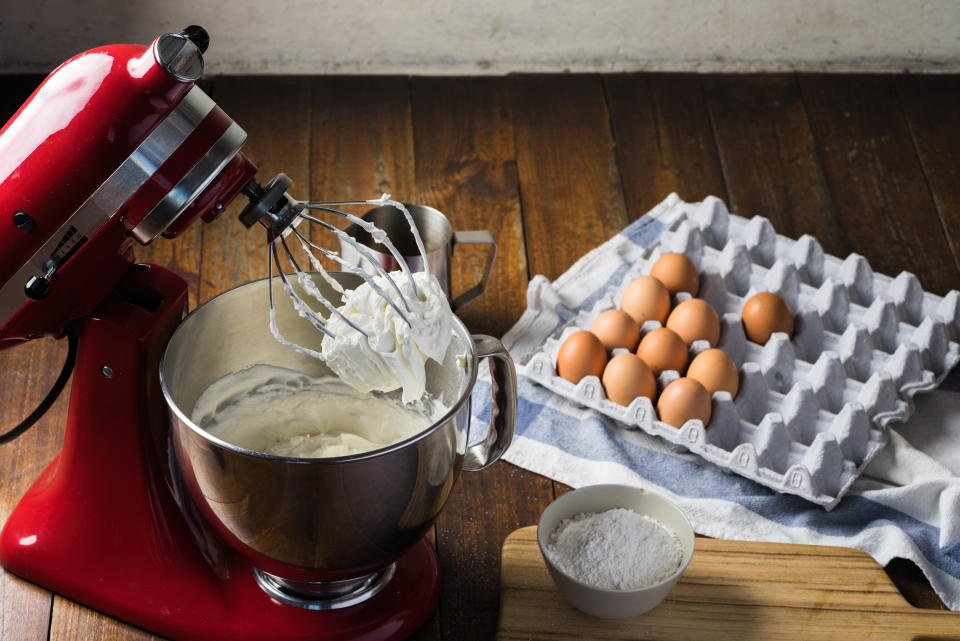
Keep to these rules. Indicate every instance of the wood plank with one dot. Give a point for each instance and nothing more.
(769, 156)
(361, 145)
(483, 509)
(569, 183)
(361, 140)
(664, 139)
(731, 590)
(466, 168)
(275, 113)
(28, 372)
(880, 195)
(930, 104)
(74, 622)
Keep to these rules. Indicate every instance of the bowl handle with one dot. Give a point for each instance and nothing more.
(503, 413)
(474, 237)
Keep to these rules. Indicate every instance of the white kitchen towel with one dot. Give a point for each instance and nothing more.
(906, 504)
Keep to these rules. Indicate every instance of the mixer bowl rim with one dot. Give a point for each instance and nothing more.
(174, 407)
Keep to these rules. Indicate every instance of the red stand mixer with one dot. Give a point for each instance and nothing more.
(118, 146)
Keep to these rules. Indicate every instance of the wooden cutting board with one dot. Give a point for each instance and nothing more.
(732, 590)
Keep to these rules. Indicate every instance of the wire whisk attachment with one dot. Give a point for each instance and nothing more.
(283, 217)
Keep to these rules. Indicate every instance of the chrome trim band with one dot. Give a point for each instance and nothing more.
(104, 202)
(190, 186)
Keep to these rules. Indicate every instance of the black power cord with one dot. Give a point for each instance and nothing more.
(72, 342)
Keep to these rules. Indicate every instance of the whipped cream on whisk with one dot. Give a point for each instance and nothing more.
(395, 354)
(385, 330)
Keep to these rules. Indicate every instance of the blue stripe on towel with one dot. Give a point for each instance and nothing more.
(589, 438)
(644, 231)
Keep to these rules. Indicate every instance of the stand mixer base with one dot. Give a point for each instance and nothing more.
(100, 526)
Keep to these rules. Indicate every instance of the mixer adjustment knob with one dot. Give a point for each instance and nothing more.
(37, 288)
(180, 55)
(198, 36)
(24, 222)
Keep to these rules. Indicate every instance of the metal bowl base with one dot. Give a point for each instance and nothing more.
(325, 595)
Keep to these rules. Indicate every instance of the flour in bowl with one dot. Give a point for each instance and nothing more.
(617, 549)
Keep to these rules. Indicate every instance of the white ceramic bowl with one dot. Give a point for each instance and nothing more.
(603, 602)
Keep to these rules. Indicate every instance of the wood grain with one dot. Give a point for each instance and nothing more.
(74, 622)
(880, 195)
(274, 112)
(736, 590)
(930, 105)
(769, 157)
(569, 183)
(482, 510)
(28, 372)
(361, 145)
(463, 135)
(664, 139)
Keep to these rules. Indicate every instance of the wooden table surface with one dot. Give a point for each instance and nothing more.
(553, 166)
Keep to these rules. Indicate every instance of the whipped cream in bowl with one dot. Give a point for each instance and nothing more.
(282, 412)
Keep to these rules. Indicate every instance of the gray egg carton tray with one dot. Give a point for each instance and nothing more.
(811, 411)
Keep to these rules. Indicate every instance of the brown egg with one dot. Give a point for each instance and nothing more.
(616, 328)
(677, 272)
(695, 320)
(663, 349)
(626, 377)
(582, 354)
(716, 371)
(683, 400)
(766, 313)
(645, 299)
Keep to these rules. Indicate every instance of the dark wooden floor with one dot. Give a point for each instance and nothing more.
(553, 166)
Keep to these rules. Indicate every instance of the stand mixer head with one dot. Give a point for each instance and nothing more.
(117, 146)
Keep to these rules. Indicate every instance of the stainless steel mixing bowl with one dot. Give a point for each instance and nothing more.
(321, 519)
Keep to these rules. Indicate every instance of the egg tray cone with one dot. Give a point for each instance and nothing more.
(811, 411)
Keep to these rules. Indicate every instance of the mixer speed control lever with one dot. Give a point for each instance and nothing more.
(37, 288)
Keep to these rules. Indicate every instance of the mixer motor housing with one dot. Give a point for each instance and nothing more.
(117, 146)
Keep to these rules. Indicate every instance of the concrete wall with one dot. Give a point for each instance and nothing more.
(501, 36)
